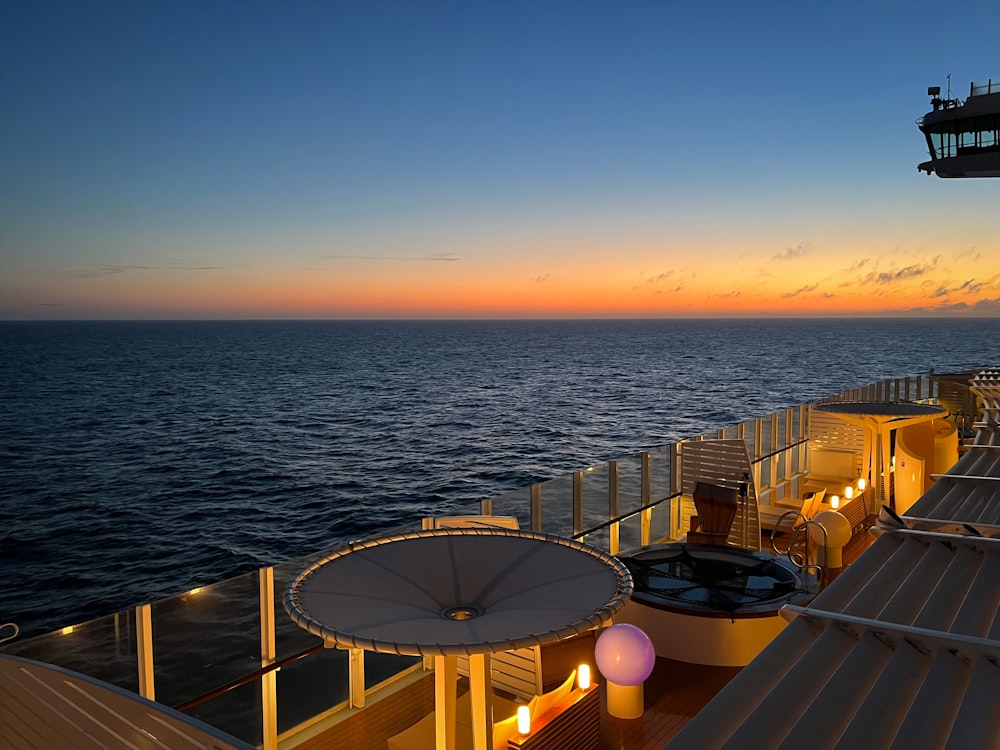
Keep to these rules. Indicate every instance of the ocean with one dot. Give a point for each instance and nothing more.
(141, 459)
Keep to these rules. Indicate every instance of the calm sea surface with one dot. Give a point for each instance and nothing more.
(138, 460)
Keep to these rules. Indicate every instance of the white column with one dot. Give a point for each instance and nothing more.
(481, 688)
(445, 685)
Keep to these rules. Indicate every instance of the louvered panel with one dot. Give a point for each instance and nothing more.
(951, 590)
(846, 689)
(871, 598)
(976, 724)
(933, 711)
(916, 587)
(980, 613)
(516, 672)
(827, 431)
(884, 708)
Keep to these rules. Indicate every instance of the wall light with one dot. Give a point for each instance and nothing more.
(834, 502)
(862, 484)
(848, 492)
(583, 676)
(523, 720)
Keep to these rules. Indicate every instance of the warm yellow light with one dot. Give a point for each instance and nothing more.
(195, 590)
(848, 492)
(67, 630)
(583, 676)
(862, 484)
(834, 501)
(523, 720)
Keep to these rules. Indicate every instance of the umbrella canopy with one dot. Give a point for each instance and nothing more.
(449, 592)
(458, 591)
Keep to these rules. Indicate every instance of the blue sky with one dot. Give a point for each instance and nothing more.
(199, 144)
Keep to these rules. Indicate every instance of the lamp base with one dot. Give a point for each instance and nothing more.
(624, 701)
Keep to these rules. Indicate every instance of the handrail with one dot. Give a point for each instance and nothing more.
(247, 679)
(622, 517)
(800, 561)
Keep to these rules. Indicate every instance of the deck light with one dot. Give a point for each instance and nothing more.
(862, 484)
(523, 720)
(625, 656)
(834, 501)
(848, 492)
(583, 676)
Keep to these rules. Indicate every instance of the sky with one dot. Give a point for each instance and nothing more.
(207, 159)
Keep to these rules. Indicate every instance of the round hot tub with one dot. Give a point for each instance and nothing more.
(710, 604)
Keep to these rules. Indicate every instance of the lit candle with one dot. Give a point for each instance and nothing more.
(523, 719)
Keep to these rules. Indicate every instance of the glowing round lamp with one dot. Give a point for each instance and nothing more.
(625, 656)
(838, 534)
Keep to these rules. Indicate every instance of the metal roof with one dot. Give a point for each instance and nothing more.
(903, 648)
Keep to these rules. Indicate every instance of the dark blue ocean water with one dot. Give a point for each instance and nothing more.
(140, 459)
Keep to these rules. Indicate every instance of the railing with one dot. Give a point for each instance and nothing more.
(990, 87)
(227, 654)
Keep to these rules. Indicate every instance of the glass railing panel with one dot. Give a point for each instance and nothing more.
(595, 496)
(601, 539)
(104, 649)
(659, 526)
(380, 667)
(289, 638)
(206, 638)
(629, 484)
(659, 472)
(311, 686)
(516, 503)
(557, 506)
(630, 533)
(238, 712)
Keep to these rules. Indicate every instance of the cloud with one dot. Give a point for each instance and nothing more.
(859, 264)
(542, 279)
(900, 274)
(801, 290)
(446, 257)
(792, 251)
(659, 277)
(114, 269)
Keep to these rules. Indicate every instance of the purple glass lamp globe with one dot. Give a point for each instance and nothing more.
(625, 655)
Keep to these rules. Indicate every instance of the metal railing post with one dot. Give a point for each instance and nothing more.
(268, 653)
(144, 651)
(577, 502)
(536, 507)
(613, 511)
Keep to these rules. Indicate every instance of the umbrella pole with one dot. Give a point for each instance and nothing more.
(481, 687)
(445, 687)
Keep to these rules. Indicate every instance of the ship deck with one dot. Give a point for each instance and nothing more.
(673, 694)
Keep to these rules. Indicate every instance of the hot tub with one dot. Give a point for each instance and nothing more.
(708, 604)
